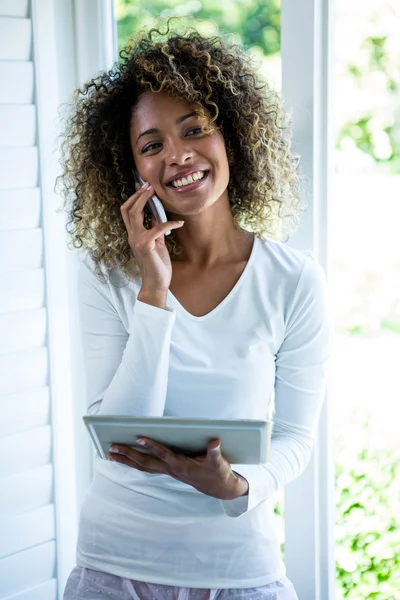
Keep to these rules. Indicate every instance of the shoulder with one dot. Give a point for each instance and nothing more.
(293, 277)
(282, 257)
(101, 276)
(105, 288)
(285, 265)
(87, 273)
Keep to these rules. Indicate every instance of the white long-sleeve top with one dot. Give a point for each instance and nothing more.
(269, 339)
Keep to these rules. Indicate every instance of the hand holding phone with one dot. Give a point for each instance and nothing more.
(155, 205)
(148, 246)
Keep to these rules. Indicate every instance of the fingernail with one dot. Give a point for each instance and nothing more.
(141, 441)
(114, 449)
(145, 184)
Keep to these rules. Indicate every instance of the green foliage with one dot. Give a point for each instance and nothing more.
(369, 72)
(367, 520)
(250, 22)
(363, 131)
(389, 324)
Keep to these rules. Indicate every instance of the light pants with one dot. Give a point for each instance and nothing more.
(88, 584)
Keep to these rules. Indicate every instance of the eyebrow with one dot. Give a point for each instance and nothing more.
(178, 121)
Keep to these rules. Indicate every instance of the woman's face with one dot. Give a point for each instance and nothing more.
(174, 147)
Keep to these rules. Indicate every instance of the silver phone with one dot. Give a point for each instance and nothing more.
(157, 209)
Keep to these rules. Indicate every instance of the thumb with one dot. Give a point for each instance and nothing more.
(214, 450)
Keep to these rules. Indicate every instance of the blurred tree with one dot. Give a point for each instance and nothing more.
(368, 66)
(367, 515)
(251, 22)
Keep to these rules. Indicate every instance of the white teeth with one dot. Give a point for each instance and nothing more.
(189, 179)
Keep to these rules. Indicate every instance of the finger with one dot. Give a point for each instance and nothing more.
(214, 451)
(145, 460)
(129, 202)
(124, 460)
(160, 229)
(135, 210)
(141, 196)
(127, 205)
(160, 451)
(134, 196)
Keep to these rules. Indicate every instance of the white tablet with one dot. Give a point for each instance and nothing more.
(244, 442)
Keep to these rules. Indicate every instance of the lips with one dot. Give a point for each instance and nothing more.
(191, 186)
(181, 176)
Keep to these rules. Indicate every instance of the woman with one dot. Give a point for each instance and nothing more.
(209, 321)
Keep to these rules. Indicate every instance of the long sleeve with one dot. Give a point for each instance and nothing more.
(300, 382)
(126, 373)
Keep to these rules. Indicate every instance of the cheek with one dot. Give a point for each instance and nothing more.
(216, 151)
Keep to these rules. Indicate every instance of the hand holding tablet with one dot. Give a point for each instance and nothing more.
(243, 441)
(210, 474)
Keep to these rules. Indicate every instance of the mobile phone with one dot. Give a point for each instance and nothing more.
(157, 209)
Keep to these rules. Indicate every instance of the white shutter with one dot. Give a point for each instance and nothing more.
(27, 510)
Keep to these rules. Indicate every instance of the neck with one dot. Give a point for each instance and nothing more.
(213, 248)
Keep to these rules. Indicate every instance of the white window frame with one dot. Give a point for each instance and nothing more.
(307, 42)
(84, 33)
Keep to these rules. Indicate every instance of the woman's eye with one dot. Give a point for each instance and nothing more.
(195, 129)
(150, 146)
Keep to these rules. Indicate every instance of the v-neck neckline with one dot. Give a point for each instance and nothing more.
(228, 297)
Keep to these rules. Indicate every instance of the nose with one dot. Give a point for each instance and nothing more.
(177, 151)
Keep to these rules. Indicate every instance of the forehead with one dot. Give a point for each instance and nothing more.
(153, 107)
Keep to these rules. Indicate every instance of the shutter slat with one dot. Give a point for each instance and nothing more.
(22, 290)
(17, 125)
(22, 330)
(20, 209)
(44, 591)
(13, 497)
(18, 168)
(25, 451)
(26, 530)
(24, 411)
(23, 370)
(21, 250)
(16, 8)
(20, 74)
(16, 38)
(28, 527)
(38, 565)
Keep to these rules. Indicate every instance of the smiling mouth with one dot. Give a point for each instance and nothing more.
(190, 186)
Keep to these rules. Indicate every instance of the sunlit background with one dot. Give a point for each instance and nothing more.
(364, 270)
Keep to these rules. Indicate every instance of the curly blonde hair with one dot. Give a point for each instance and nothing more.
(209, 72)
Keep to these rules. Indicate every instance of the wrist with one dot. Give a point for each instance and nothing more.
(242, 485)
(155, 298)
(238, 486)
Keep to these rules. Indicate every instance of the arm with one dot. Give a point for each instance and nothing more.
(126, 374)
(300, 382)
